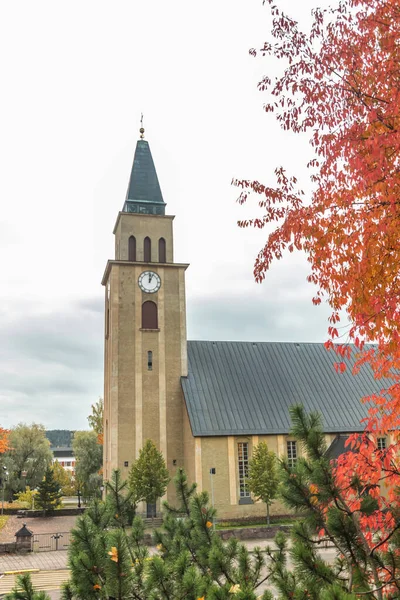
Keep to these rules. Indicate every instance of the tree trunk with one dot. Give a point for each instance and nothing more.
(268, 522)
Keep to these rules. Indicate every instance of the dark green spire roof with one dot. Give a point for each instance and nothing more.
(144, 192)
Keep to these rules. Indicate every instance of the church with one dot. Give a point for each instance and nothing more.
(205, 404)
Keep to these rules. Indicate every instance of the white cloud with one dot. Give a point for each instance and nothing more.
(75, 80)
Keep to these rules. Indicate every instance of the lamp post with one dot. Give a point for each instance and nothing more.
(24, 474)
(79, 497)
(3, 480)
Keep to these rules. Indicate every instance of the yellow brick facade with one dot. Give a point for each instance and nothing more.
(142, 403)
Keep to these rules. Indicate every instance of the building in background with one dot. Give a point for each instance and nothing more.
(61, 447)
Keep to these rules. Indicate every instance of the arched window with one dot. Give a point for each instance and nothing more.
(162, 252)
(147, 249)
(149, 315)
(132, 248)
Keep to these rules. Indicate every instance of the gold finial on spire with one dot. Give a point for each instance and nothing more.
(141, 127)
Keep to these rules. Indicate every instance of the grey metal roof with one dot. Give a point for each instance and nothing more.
(244, 388)
(143, 183)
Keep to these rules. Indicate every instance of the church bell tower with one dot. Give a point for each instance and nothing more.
(145, 327)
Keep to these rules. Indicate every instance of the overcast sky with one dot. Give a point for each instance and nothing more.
(75, 77)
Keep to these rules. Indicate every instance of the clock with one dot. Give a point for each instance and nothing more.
(149, 282)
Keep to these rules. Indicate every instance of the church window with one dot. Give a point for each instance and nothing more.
(381, 443)
(107, 322)
(147, 249)
(149, 315)
(162, 254)
(132, 248)
(149, 360)
(243, 464)
(291, 453)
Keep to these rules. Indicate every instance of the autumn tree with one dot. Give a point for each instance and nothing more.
(96, 419)
(263, 477)
(64, 480)
(339, 84)
(4, 440)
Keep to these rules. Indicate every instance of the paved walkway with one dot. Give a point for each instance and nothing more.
(41, 581)
(45, 561)
(36, 525)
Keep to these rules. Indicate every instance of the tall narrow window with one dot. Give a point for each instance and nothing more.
(291, 453)
(132, 248)
(147, 249)
(149, 360)
(149, 315)
(243, 464)
(107, 322)
(162, 252)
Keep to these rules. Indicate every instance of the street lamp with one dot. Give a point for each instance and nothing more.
(24, 474)
(5, 473)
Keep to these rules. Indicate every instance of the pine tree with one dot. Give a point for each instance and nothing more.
(149, 477)
(49, 494)
(108, 558)
(366, 563)
(23, 590)
(263, 477)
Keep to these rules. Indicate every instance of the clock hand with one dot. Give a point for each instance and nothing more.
(150, 277)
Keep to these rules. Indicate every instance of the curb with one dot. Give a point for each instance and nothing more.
(21, 571)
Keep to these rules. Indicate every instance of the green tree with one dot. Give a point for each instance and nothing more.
(149, 477)
(96, 419)
(30, 452)
(48, 492)
(108, 559)
(263, 477)
(64, 480)
(23, 590)
(27, 497)
(89, 459)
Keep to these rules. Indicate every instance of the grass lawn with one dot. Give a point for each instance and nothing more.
(261, 523)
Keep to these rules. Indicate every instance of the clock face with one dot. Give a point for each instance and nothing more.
(149, 282)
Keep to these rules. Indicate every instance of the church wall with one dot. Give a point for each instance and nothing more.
(172, 347)
(222, 454)
(189, 449)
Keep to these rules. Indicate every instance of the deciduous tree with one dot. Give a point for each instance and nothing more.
(263, 478)
(340, 85)
(64, 480)
(96, 419)
(89, 458)
(4, 440)
(29, 451)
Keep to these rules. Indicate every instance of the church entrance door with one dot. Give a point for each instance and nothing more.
(151, 510)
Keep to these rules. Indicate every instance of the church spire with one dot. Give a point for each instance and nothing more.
(144, 192)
